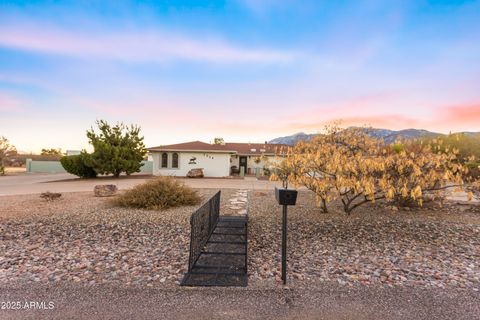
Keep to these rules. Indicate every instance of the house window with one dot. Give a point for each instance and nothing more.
(175, 160)
(164, 160)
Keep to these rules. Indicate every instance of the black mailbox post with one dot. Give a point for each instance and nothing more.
(285, 197)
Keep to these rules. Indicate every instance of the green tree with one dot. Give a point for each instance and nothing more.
(117, 148)
(51, 152)
(6, 150)
(218, 140)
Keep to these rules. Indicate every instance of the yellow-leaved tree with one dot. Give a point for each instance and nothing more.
(351, 166)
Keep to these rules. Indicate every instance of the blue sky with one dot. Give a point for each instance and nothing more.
(245, 70)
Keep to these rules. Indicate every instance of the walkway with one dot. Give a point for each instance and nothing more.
(223, 261)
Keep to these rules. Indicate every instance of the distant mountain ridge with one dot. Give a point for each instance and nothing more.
(389, 136)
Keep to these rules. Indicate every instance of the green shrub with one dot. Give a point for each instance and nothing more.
(159, 193)
(77, 165)
(473, 170)
(397, 147)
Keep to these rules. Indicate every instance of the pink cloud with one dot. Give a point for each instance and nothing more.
(462, 114)
(390, 121)
(364, 106)
(9, 103)
(145, 45)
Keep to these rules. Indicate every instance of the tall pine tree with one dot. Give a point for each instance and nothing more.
(117, 148)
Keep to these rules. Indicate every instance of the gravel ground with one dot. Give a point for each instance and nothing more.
(95, 261)
(429, 247)
(80, 238)
(83, 239)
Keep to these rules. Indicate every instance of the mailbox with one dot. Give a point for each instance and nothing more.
(286, 197)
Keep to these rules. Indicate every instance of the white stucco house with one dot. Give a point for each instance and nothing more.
(216, 160)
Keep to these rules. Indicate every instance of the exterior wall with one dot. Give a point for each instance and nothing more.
(56, 167)
(252, 165)
(213, 164)
(235, 161)
(44, 166)
(73, 152)
(147, 167)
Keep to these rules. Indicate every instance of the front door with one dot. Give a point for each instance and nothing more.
(243, 163)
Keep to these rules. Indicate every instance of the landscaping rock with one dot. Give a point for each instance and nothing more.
(50, 196)
(195, 173)
(85, 240)
(105, 190)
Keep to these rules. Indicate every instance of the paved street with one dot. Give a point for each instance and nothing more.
(318, 302)
(64, 182)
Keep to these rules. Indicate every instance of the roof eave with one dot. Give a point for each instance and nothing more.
(190, 150)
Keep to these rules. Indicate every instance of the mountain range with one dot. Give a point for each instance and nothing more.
(389, 136)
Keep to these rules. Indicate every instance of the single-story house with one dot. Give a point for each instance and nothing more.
(216, 160)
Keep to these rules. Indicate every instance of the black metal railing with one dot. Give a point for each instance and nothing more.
(202, 224)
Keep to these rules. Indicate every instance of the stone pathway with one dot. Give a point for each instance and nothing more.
(239, 202)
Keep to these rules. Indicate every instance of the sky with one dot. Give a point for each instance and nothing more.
(244, 70)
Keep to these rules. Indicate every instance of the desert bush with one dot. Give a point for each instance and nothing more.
(468, 145)
(420, 169)
(357, 169)
(78, 165)
(51, 152)
(158, 193)
(50, 196)
(6, 150)
(473, 170)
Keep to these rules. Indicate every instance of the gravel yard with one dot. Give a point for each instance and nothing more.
(429, 247)
(83, 239)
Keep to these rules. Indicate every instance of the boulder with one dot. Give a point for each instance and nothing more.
(105, 190)
(195, 173)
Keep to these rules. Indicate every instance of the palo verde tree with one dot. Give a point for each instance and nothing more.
(117, 148)
(351, 166)
(6, 150)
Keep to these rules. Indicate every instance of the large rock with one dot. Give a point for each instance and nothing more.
(195, 173)
(105, 190)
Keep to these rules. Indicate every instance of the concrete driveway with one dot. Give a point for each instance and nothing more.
(64, 182)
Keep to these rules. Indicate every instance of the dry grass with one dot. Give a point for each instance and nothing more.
(158, 193)
(50, 196)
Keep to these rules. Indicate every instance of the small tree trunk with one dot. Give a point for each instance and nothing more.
(324, 206)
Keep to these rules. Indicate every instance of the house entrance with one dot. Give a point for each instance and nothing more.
(243, 163)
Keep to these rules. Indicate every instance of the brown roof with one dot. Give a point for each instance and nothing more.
(238, 148)
(254, 148)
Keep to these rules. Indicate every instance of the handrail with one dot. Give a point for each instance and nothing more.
(202, 223)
